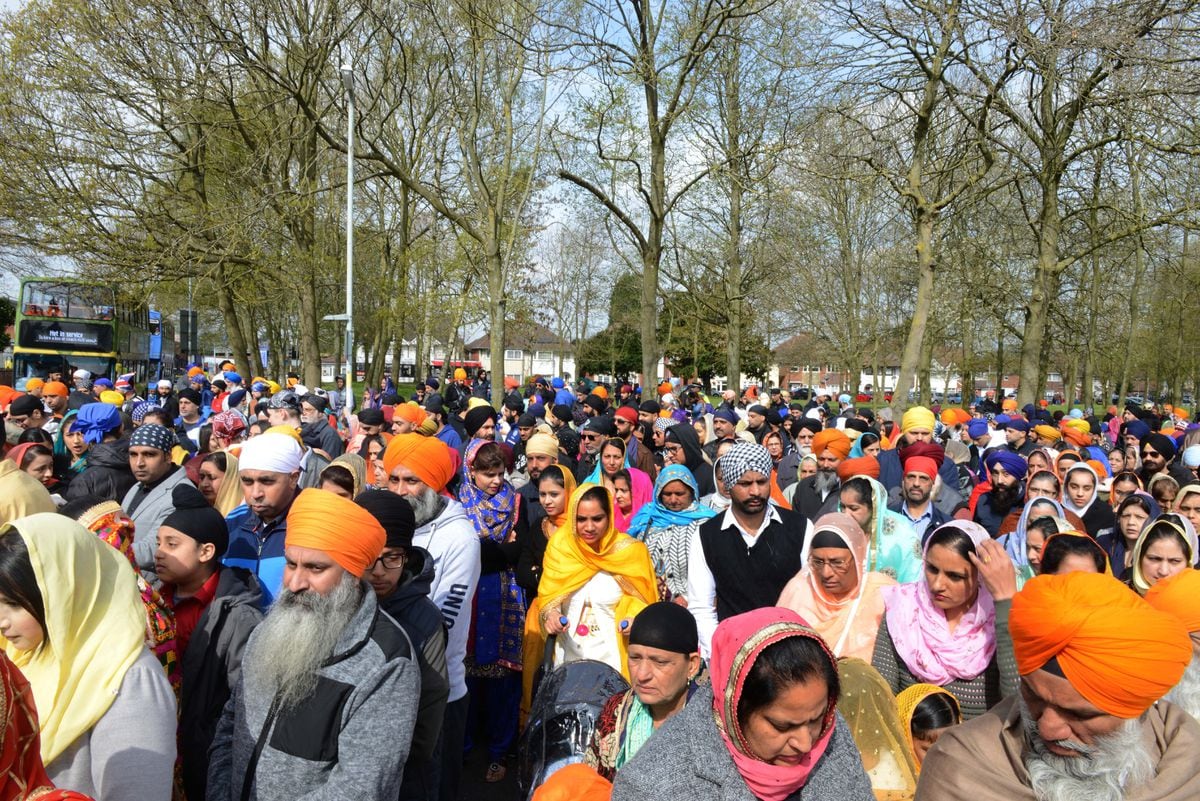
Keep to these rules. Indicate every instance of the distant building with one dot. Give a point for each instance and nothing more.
(530, 349)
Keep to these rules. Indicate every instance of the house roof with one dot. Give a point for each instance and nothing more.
(526, 336)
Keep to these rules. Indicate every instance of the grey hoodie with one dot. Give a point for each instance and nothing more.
(348, 741)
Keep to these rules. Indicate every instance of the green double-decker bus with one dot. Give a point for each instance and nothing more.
(66, 324)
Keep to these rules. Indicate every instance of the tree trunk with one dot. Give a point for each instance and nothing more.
(1045, 282)
(224, 293)
(496, 310)
(920, 320)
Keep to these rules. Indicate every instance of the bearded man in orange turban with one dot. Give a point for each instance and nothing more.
(329, 687)
(419, 468)
(817, 494)
(1087, 724)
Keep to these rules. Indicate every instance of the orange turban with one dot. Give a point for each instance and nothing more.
(1180, 412)
(1009, 404)
(328, 522)
(1118, 652)
(1047, 432)
(600, 391)
(427, 457)
(411, 413)
(832, 439)
(860, 466)
(576, 782)
(1177, 596)
(37, 383)
(955, 416)
(54, 388)
(1077, 432)
(664, 388)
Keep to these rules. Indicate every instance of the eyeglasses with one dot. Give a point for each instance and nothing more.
(589, 437)
(674, 447)
(837, 565)
(390, 561)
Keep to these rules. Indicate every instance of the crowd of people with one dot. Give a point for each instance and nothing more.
(250, 590)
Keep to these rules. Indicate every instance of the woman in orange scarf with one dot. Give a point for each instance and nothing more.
(594, 581)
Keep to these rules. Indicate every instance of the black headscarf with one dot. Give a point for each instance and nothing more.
(693, 456)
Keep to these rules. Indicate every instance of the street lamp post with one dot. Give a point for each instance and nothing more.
(348, 81)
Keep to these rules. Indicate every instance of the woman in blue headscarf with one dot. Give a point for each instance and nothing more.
(666, 525)
(1016, 544)
(70, 448)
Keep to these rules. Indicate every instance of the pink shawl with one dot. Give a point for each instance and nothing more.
(736, 645)
(922, 638)
(641, 492)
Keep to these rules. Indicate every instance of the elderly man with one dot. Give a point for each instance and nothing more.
(315, 429)
(148, 502)
(817, 494)
(741, 560)
(327, 699)
(1006, 471)
(1094, 659)
(419, 468)
(269, 471)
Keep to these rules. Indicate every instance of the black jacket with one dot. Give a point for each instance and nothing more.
(321, 436)
(107, 473)
(211, 666)
(411, 607)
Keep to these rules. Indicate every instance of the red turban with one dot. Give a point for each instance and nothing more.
(921, 464)
(832, 439)
(628, 414)
(926, 449)
(859, 466)
(341, 528)
(427, 457)
(1118, 652)
(1178, 596)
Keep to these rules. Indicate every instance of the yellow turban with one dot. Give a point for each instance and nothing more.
(475, 402)
(427, 457)
(1047, 432)
(341, 528)
(112, 396)
(542, 445)
(917, 417)
(287, 431)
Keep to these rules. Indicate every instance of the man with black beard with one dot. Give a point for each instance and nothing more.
(419, 468)
(1177, 596)
(1006, 471)
(1088, 723)
(327, 699)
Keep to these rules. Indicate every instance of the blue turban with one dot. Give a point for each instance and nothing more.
(1013, 463)
(557, 383)
(977, 428)
(1018, 424)
(1138, 428)
(726, 414)
(94, 420)
(232, 378)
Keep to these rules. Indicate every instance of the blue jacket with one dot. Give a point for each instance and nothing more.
(257, 547)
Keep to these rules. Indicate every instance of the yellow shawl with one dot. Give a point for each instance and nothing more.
(569, 564)
(95, 627)
(230, 495)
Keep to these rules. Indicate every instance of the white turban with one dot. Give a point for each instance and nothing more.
(275, 453)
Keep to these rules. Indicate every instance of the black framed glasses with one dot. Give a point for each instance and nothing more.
(390, 561)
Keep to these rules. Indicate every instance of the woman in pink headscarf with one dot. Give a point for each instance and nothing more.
(767, 729)
(950, 628)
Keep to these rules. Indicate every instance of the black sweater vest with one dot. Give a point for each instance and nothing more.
(751, 578)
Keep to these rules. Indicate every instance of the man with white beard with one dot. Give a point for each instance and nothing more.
(1088, 723)
(1179, 595)
(327, 699)
(419, 468)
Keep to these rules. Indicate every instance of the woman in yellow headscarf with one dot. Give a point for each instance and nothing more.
(74, 624)
(867, 704)
(926, 710)
(594, 581)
